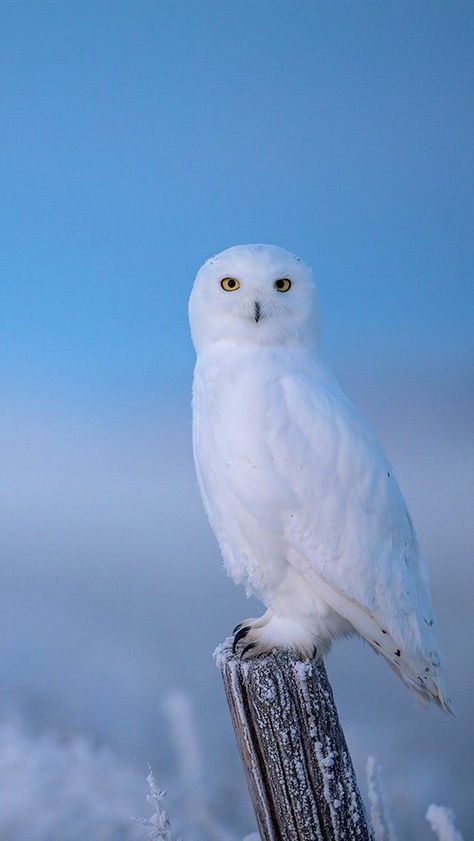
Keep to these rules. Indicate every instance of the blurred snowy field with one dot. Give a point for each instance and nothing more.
(113, 598)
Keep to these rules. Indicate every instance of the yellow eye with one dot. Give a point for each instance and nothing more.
(230, 284)
(283, 285)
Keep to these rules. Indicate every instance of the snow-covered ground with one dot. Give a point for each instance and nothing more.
(113, 599)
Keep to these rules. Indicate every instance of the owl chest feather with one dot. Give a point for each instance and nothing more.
(236, 410)
(281, 458)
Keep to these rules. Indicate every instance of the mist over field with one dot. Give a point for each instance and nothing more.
(114, 597)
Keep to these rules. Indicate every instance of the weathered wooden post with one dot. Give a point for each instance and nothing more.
(295, 756)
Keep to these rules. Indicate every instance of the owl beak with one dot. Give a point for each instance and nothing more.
(257, 311)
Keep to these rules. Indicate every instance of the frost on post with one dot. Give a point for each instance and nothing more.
(298, 767)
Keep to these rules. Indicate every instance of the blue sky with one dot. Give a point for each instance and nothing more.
(138, 138)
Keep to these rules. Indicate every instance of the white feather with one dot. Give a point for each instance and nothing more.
(303, 501)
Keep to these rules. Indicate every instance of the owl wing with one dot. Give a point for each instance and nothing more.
(350, 532)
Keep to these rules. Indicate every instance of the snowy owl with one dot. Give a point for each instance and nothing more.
(304, 504)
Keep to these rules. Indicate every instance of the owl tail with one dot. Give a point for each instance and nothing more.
(421, 676)
(436, 692)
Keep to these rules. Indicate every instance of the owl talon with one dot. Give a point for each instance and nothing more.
(273, 633)
(247, 648)
(239, 636)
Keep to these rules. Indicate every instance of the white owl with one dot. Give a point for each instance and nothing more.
(303, 502)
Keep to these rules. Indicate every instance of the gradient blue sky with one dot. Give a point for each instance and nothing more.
(138, 138)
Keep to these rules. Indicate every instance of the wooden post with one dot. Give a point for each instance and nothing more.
(295, 756)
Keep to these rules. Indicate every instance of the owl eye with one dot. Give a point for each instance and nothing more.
(283, 285)
(230, 284)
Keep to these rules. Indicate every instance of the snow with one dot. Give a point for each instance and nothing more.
(63, 789)
(441, 821)
(380, 817)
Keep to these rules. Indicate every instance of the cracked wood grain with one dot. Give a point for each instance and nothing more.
(299, 771)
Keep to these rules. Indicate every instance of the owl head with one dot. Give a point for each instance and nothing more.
(254, 294)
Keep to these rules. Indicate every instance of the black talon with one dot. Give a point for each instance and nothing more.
(239, 635)
(237, 628)
(248, 648)
(315, 651)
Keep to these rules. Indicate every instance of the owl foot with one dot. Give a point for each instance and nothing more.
(270, 632)
(242, 629)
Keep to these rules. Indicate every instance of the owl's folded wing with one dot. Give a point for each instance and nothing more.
(350, 531)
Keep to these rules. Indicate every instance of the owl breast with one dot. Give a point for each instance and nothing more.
(235, 416)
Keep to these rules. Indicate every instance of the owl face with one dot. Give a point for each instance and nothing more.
(258, 294)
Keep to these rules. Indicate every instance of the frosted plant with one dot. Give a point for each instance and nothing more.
(58, 788)
(440, 818)
(441, 821)
(380, 817)
(159, 824)
(178, 709)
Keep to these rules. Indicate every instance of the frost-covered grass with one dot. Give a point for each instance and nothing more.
(67, 788)
(64, 789)
(379, 812)
(158, 825)
(56, 788)
(440, 818)
(441, 821)
(178, 709)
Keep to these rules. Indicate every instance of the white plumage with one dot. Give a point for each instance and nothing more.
(301, 497)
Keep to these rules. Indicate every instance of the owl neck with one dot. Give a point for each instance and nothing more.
(270, 358)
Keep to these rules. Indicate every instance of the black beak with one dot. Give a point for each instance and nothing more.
(257, 311)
